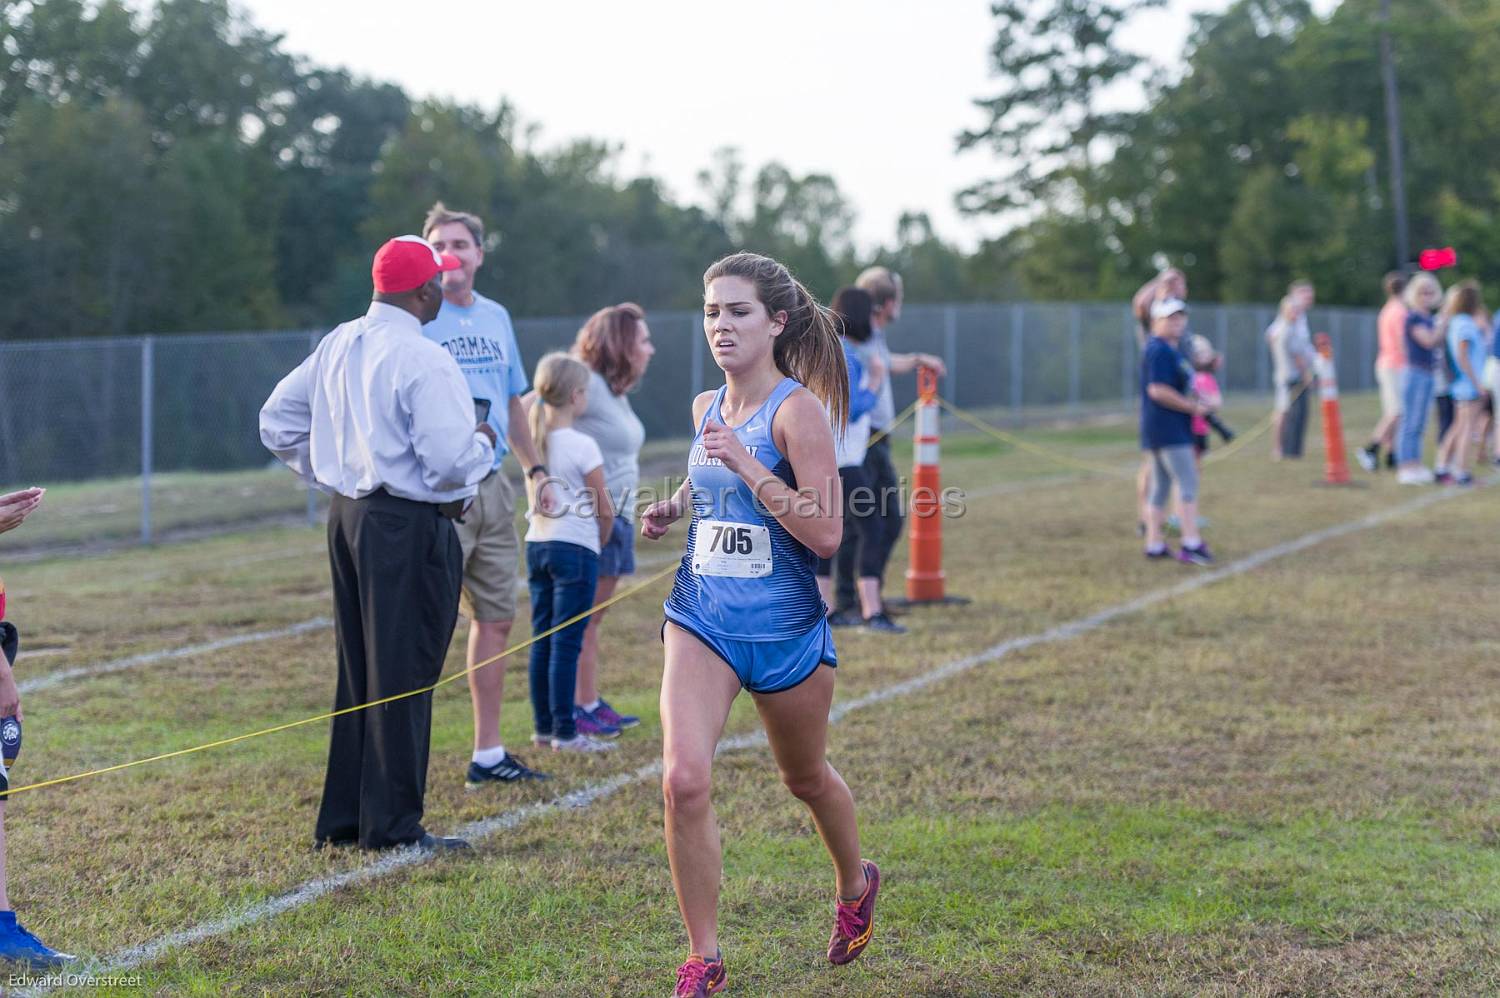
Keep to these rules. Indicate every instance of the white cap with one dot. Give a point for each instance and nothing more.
(1166, 307)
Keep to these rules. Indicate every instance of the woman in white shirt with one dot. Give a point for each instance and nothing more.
(615, 344)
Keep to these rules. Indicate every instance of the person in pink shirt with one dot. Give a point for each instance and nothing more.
(1389, 363)
(1205, 360)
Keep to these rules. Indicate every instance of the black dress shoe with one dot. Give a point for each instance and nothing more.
(321, 844)
(442, 843)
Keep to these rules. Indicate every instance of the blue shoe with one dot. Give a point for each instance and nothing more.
(604, 712)
(17, 945)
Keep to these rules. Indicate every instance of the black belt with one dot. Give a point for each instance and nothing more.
(452, 510)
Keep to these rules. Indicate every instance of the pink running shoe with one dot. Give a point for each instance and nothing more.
(854, 922)
(700, 977)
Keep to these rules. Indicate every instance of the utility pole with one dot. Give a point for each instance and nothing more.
(1393, 135)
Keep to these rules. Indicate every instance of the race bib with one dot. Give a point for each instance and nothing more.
(734, 550)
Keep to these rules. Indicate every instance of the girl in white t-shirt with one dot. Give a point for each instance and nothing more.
(562, 549)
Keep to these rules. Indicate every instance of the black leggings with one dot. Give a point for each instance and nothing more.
(861, 534)
(879, 503)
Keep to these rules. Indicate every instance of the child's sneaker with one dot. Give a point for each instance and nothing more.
(589, 723)
(19, 946)
(1195, 555)
(1368, 457)
(582, 743)
(854, 921)
(701, 977)
(1163, 554)
(604, 712)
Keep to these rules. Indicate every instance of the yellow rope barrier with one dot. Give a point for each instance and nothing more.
(329, 715)
(219, 743)
(1031, 448)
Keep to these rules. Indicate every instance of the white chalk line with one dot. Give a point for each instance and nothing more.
(127, 959)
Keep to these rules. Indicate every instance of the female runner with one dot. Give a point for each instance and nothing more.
(745, 610)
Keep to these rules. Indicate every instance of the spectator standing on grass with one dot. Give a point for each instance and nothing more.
(1390, 328)
(1463, 318)
(1292, 367)
(562, 551)
(1422, 295)
(478, 333)
(1442, 399)
(858, 562)
(615, 344)
(1167, 409)
(381, 417)
(17, 945)
(1170, 283)
(1492, 382)
(885, 291)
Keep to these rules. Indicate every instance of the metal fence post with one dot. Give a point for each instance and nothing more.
(1075, 348)
(950, 351)
(696, 335)
(312, 492)
(1127, 359)
(148, 360)
(1017, 332)
(1368, 336)
(1221, 334)
(1262, 353)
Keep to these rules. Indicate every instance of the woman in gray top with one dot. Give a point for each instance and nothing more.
(616, 345)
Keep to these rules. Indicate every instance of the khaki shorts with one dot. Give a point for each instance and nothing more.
(1389, 380)
(492, 553)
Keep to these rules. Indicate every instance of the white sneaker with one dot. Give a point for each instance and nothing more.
(1415, 476)
(583, 743)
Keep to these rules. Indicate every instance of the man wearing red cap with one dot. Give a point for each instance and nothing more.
(380, 417)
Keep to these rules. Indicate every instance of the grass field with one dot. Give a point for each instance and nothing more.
(1280, 782)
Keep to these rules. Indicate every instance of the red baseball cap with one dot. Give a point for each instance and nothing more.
(408, 262)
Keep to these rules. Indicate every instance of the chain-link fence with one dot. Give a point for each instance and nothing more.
(140, 437)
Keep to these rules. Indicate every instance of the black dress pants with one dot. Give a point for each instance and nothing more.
(397, 567)
(1294, 426)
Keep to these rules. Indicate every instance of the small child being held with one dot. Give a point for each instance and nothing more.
(1205, 360)
(562, 549)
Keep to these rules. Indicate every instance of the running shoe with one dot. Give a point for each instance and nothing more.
(507, 770)
(854, 921)
(1464, 480)
(1165, 554)
(589, 723)
(604, 712)
(1368, 457)
(1195, 555)
(1415, 476)
(1442, 477)
(883, 623)
(19, 946)
(701, 977)
(582, 743)
(845, 618)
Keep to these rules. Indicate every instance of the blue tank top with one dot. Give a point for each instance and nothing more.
(737, 591)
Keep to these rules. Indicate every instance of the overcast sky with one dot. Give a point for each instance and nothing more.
(872, 92)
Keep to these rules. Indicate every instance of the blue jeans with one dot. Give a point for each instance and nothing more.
(562, 578)
(1416, 397)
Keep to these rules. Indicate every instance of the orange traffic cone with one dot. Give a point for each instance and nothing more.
(925, 582)
(1336, 465)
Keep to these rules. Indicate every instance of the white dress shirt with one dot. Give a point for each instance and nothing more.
(378, 405)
